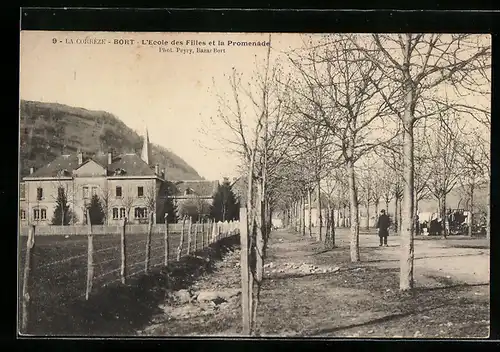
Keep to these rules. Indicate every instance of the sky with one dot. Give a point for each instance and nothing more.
(169, 92)
(173, 94)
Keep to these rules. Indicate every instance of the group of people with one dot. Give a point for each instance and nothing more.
(383, 224)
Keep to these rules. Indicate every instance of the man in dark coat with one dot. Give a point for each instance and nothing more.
(383, 228)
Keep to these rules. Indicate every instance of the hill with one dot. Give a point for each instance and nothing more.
(48, 130)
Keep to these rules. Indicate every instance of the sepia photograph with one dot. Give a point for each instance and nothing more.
(225, 184)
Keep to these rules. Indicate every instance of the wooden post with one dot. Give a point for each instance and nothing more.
(28, 263)
(181, 243)
(90, 257)
(123, 268)
(190, 222)
(245, 273)
(195, 237)
(214, 232)
(148, 242)
(209, 226)
(166, 240)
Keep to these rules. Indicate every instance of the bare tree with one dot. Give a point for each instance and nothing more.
(443, 152)
(339, 85)
(107, 201)
(128, 201)
(256, 119)
(418, 66)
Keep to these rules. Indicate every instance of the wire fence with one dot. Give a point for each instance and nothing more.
(62, 268)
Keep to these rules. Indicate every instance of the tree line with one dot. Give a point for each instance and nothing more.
(358, 120)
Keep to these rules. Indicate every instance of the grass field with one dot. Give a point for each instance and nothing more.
(59, 275)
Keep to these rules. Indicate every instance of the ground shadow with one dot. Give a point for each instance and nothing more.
(418, 258)
(374, 321)
(123, 309)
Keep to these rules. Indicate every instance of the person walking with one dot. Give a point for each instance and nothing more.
(383, 228)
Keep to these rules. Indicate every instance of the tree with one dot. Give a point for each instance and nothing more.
(343, 90)
(106, 202)
(417, 67)
(443, 150)
(96, 211)
(150, 200)
(62, 212)
(225, 207)
(195, 208)
(255, 119)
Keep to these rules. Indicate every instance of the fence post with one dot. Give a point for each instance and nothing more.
(28, 263)
(189, 235)
(205, 237)
(148, 242)
(166, 240)
(123, 271)
(214, 232)
(90, 257)
(181, 243)
(195, 237)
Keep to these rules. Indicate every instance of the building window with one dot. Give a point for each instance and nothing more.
(118, 192)
(94, 191)
(39, 193)
(118, 213)
(22, 191)
(23, 214)
(115, 213)
(140, 213)
(39, 214)
(85, 192)
(140, 191)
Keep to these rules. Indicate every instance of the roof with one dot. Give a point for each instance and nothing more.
(201, 188)
(52, 169)
(132, 164)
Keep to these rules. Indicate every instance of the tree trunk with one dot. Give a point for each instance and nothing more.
(328, 230)
(319, 215)
(303, 215)
(400, 212)
(300, 215)
(245, 273)
(333, 228)
(376, 210)
(488, 210)
(309, 206)
(396, 215)
(367, 214)
(471, 210)
(442, 214)
(407, 229)
(338, 217)
(260, 222)
(344, 219)
(354, 213)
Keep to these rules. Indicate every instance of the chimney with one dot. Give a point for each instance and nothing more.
(32, 169)
(157, 169)
(80, 158)
(110, 158)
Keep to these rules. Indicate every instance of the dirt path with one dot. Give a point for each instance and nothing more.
(311, 292)
(435, 259)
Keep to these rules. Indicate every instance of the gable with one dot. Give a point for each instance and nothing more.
(90, 168)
